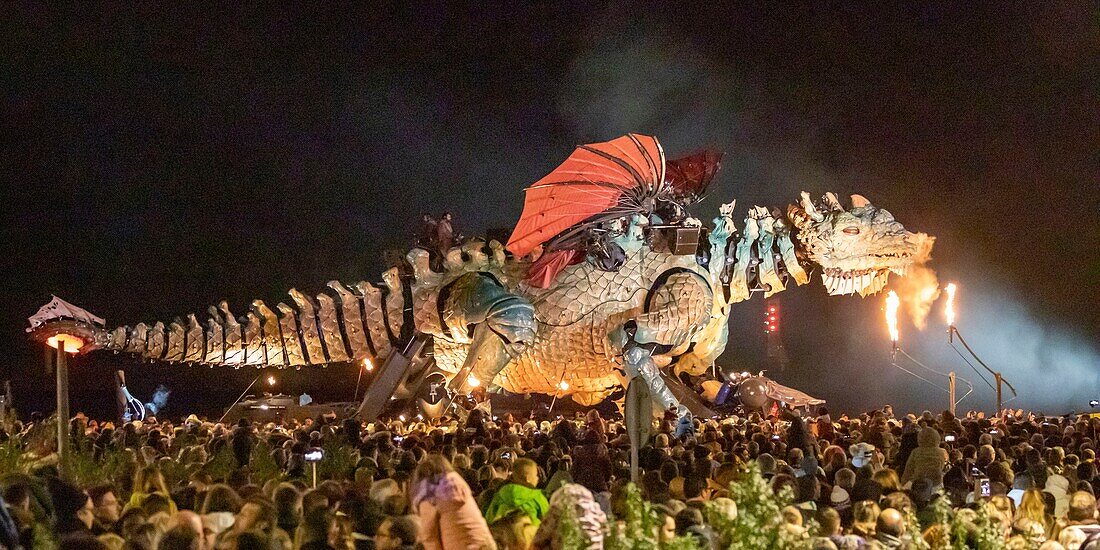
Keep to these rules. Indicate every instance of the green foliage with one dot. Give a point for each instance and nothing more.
(913, 532)
(175, 472)
(570, 534)
(263, 465)
(12, 457)
(759, 521)
(979, 531)
(85, 470)
(43, 537)
(639, 528)
(338, 463)
(221, 465)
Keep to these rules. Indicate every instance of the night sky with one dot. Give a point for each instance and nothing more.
(159, 158)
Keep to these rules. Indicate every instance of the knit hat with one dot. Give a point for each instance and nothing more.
(66, 498)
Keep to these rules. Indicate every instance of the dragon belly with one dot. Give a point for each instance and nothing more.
(576, 317)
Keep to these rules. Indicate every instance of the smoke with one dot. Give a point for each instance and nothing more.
(920, 287)
(918, 290)
(160, 399)
(1031, 352)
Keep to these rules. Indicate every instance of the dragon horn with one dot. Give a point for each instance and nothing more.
(811, 210)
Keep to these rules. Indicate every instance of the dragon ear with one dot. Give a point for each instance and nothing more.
(832, 202)
(809, 208)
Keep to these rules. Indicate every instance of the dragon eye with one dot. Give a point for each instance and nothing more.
(851, 230)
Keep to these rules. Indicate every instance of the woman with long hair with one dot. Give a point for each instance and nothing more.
(888, 480)
(148, 481)
(1032, 507)
(449, 515)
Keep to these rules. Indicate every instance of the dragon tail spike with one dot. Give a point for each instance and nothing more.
(351, 323)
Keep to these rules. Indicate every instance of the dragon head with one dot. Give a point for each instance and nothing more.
(857, 248)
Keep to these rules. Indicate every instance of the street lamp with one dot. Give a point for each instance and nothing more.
(67, 329)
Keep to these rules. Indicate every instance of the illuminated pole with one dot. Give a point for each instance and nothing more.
(64, 344)
(366, 366)
(62, 369)
(952, 332)
(949, 311)
(1000, 405)
(951, 391)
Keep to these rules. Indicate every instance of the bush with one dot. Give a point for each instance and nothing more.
(759, 521)
(638, 529)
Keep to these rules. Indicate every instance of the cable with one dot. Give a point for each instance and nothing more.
(968, 392)
(969, 384)
(982, 363)
(941, 388)
(922, 365)
(967, 361)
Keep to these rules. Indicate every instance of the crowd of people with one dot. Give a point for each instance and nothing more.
(875, 480)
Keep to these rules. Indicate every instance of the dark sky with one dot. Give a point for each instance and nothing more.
(161, 158)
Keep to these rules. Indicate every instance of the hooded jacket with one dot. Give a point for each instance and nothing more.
(927, 460)
(514, 496)
(577, 500)
(449, 516)
(1058, 486)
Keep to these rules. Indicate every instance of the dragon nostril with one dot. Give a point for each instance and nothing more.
(851, 230)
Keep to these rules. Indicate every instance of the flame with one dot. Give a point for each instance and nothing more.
(919, 288)
(949, 311)
(892, 305)
(473, 381)
(271, 380)
(563, 385)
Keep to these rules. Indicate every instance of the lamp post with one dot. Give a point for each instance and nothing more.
(67, 329)
(62, 368)
(65, 344)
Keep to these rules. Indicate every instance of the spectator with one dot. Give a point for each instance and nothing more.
(448, 514)
(288, 507)
(577, 500)
(72, 508)
(107, 508)
(591, 464)
(318, 531)
(520, 493)
(927, 461)
(180, 537)
(1082, 514)
(242, 442)
(220, 507)
(889, 528)
(398, 533)
(150, 481)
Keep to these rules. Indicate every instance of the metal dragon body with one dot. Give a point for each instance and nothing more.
(584, 335)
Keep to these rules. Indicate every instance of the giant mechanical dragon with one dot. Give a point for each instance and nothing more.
(582, 328)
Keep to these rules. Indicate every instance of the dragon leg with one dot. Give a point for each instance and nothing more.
(503, 327)
(638, 361)
(676, 312)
